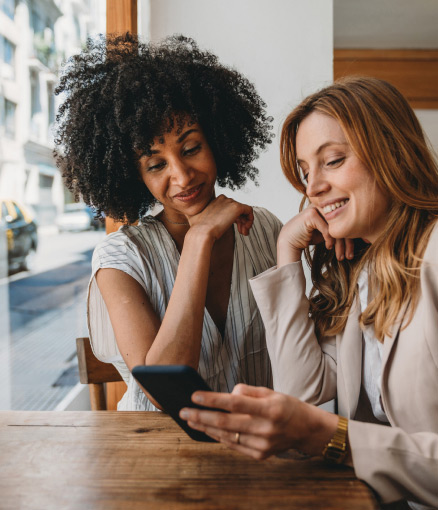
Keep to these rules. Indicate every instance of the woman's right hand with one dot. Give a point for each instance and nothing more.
(220, 214)
(307, 228)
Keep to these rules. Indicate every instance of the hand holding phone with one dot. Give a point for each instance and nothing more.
(172, 387)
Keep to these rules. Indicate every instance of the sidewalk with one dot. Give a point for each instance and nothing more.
(42, 360)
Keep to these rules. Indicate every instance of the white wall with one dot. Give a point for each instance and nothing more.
(429, 122)
(284, 46)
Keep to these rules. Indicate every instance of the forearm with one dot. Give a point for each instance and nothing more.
(178, 340)
(302, 367)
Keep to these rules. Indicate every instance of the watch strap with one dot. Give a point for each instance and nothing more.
(335, 450)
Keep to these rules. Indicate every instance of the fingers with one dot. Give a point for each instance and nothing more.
(236, 403)
(344, 248)
(349, 248)
(245, 220)
(253, 446)
(222, 212)
(340, 249)
(225, 425)
(317, 222)
(251, 391)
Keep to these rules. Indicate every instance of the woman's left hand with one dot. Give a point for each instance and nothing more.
(261, 422)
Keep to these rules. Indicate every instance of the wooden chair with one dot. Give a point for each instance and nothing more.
(96, 374)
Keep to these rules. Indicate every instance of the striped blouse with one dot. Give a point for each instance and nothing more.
(148, 254)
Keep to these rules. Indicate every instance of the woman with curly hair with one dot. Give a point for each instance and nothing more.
(142, 124)
(368, 333)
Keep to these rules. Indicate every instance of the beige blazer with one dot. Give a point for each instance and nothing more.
(398, 461)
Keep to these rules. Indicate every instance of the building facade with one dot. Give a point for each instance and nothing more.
(35, 37)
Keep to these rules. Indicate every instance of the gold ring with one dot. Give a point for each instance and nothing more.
(237, 439)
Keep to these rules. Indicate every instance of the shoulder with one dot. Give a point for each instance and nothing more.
(146, 232)
(261, 242)
(128, 242)
(267, 221)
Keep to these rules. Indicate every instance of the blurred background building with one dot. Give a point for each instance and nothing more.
(35, 37)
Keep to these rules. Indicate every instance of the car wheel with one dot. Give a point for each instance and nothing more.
(29, 261)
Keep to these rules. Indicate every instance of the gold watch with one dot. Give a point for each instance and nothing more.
(336, 449)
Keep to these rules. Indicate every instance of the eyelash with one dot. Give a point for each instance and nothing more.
(192, 150)
(187, 152)
(334, 162)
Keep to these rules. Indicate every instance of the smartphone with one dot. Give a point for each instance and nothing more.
(172, 387)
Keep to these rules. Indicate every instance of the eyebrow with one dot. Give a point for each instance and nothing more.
(323, 146)
(186, 134)
(181, 138)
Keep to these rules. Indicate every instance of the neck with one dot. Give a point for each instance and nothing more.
(176, 228)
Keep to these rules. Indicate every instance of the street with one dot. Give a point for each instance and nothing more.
(46, 313)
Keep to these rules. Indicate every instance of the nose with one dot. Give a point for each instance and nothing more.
(181, 173)
(317, 184)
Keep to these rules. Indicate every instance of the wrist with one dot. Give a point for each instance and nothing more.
(321, 427)
(336, 450)
(286, 253)
(202, 236)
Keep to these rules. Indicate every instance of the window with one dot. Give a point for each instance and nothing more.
(41, 311)
(7, 50)
(77, 28)
(8, 7)
(51, 103)
(9, 118)
(36, 22)
(35, 104)
(46, 181)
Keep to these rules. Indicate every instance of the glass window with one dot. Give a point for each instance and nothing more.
(37, 22)
(9, 121)
(77, 28)
(46, 181)
(51, 103)
(7, 50)
(42, 309)
(8, 7)
(35, 104)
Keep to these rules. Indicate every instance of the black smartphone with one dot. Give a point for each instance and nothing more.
(172, 387)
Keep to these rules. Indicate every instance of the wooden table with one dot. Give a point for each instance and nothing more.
(131, 460)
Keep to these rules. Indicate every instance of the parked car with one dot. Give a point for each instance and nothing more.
(78, 217)
(21, 234)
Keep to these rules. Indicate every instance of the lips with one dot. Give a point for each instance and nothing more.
(190, 194)
(334, 205)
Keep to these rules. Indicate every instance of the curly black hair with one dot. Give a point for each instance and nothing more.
(121, 94)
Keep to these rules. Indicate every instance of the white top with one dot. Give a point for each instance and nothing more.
(372, 366)
(372, 356)
(148, 253)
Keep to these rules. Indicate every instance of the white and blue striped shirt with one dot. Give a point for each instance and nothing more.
(148, 254)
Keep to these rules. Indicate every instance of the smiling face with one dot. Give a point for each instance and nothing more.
(338, 183)
(180, 172)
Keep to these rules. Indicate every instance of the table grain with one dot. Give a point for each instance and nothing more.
(143, 460)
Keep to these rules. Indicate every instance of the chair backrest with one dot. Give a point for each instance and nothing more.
(95, 373)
